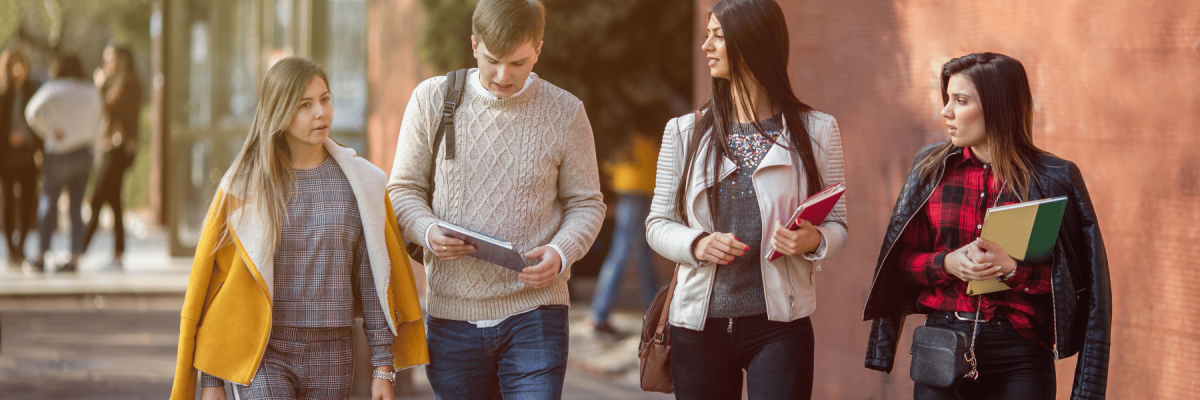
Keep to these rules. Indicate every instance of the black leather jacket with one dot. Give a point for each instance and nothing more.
(24, 155)
(1082, 296)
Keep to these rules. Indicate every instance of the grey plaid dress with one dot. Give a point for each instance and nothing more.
(321, 273)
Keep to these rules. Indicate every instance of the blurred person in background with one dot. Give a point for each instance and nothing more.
(726, 182)
(118, 83)
(306, 222)
(18, 148)
(633, 181)
(66, 113)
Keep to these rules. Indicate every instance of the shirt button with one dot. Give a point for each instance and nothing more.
(1027, 289)
(978, 226)
(982, 194)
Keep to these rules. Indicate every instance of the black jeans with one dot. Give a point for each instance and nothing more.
(109, 181)
(777, 357)
(1010, 366)
(20, 212)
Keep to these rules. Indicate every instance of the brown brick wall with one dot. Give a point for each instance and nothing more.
(1116, 91)
(393, 71)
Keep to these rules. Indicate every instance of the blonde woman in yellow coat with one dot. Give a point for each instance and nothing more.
(299, 235)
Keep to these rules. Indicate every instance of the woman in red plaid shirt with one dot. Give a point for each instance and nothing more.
(932, 249)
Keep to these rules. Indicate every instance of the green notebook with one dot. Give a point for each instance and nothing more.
(1026, 231)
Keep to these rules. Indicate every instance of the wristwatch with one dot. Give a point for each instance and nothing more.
(389, 376)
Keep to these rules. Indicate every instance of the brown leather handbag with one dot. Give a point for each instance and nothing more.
(654, 352)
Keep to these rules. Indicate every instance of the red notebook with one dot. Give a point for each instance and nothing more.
(814, 210)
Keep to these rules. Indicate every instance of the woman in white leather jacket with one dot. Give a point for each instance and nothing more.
(720, 202)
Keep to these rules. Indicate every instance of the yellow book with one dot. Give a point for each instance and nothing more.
(1026, 231)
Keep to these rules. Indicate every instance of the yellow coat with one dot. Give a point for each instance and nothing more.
(226, 318)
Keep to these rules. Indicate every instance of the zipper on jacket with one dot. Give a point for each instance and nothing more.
(1053, 312)
(1053, 301)
(730, 328)
(941, 174)
(786, 268)
(791, 292)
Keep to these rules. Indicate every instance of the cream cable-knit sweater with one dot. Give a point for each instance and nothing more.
(524, 171)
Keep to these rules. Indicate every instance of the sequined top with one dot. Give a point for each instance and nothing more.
(738, 289)
(750, 146)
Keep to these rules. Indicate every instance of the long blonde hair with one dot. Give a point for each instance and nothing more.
(262, 175)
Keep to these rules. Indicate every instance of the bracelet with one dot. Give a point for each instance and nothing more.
(388, 376)
(1008, 276)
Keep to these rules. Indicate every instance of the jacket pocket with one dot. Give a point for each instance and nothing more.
(211, 298)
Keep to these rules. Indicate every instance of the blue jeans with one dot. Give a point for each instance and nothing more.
(60, 171)
(628, 246)
(525, 357)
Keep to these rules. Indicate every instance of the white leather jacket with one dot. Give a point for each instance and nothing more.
(788, 281)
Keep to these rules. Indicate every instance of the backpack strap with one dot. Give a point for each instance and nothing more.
(455, 81)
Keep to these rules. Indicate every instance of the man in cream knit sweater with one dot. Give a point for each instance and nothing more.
(524, 171)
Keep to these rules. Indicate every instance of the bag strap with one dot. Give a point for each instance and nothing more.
(970, 355)
(455, 81)
(662, 334)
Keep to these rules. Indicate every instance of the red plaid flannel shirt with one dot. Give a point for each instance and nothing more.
(952, 218)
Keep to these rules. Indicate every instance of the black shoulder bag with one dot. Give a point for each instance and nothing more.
(455, 83)
(941, 356)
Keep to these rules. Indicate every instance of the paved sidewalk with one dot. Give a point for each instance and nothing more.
(130, 354)
(99, 334)
(149, 273)
(612, 357)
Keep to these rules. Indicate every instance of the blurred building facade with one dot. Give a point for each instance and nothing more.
(210, 57)
(1117, 90)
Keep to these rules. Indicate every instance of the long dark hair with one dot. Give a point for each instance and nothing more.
(68, 66)
(8, 59)
(1007, 105)
(756, 44)
(125, 67)
(125, 75)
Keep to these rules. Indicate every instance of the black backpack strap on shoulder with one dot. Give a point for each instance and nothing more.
(455, 82)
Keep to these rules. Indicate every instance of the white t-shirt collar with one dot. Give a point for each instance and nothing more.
(473, 77)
